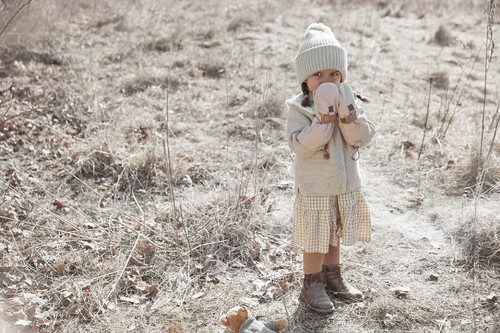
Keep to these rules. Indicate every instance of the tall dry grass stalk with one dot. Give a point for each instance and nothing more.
(227, 127)
(451, 106)
(482, 164)
(166, 151)
(426, 117)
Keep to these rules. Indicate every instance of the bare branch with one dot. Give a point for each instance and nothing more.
(15, 14)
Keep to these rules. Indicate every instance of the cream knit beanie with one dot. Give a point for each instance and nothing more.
(320, 50)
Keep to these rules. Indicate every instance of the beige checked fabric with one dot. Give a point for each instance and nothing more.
(315, 220)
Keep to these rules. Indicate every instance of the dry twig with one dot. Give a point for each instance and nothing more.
(426, 118)
(13, 16)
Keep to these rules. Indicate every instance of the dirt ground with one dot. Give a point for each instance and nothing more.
(146, 184)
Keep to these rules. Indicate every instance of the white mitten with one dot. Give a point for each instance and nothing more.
(356, 129)
(328, 103)
(348, 114)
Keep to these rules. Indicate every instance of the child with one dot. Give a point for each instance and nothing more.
(325, 128)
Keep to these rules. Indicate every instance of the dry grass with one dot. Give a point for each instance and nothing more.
(485, 241)
(467, 178)
(88, 237)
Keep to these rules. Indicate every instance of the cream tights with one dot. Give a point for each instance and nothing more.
(313, 261)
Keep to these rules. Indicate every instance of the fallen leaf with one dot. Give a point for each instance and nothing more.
(263, 289)
(146, 250)
(61, 267)
(245, 201)
(408, 144)
(265, 192)
(134, 262)
(86, 314)
(138, 226)
(198, 295)
(250, 302)
(283, 285)
(401, 291)
(174, 328)
(58, 204)
(11, 293)
(30, 312)
(417, 201)
(151, 291)
(255, 251)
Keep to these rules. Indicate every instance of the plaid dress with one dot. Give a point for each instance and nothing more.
(320, 221)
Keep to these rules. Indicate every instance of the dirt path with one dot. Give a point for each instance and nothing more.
(406, 270)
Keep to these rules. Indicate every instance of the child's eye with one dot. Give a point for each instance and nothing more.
(335, 74)
(317, 74)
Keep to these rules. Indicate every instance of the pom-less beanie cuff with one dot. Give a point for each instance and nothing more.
(320, 58)
(319, 51)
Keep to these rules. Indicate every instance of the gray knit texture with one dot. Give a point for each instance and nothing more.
(313, 174)
(320, 50)
(318, 293)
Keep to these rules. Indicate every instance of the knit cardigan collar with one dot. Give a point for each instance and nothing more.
(297, 102)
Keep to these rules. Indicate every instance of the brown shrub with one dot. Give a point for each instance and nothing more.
(482, 244)
(466, 177)
(239, 22)
(440, 79)
(164, 45)
(142, 83)
(212, 69)
(442, 37)
(128, 172)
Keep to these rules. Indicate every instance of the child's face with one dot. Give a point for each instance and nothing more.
(327, 75)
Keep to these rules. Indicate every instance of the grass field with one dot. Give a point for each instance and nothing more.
(146, 184)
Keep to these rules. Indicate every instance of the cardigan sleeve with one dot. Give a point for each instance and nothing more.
(305, 136)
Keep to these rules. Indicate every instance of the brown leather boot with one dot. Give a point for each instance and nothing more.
(314, 295)
(334, 282)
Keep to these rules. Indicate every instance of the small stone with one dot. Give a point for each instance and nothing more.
(491, 298)
(433, 277)
(187, 180)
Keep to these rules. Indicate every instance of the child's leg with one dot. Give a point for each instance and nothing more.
(333, 279)
(333, 256)
(312, 262)
(313, 291)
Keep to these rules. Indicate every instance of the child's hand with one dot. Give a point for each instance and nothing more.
(316, 136)
(327, 102)
(347, 99)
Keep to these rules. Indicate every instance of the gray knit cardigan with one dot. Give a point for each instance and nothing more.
(315, 175)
